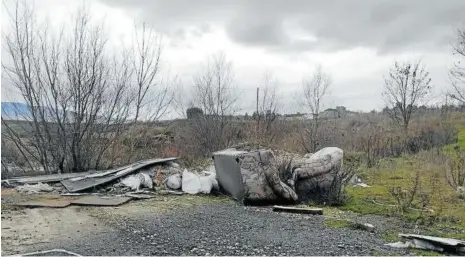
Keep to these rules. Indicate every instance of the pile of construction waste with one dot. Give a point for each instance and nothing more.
(245, 175)
(139, 180)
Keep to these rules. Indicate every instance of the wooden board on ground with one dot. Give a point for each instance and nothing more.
(314, 211)
(95, 200)
(50, 203)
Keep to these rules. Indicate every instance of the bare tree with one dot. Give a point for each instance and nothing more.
(215, 94)
(406, 86)
(152, 94)
(458, 70)
(268, 106)
(78, 94)
(315, 89)
(146, 65)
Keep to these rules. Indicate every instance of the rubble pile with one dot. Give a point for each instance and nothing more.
(245, 175)
(137, 180)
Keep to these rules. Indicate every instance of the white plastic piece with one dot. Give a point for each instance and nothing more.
(190, 183)
(135, 182)
(194, 184)
(34, 189)
(173, 182)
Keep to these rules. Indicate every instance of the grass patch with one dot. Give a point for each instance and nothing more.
(390, 236)
(425, 253)
(444, 210)
(460, 139)
(332, 223)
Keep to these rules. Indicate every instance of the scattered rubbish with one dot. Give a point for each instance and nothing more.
(461, 191)
(400, 245)
(74, 194)
(135, 182)
(34, 189)
(173, 164)
(190, 183)
(361, 185)
(50, 203)
(193, 184)
(173, 182)
(314, 211)
(254, 177)
(362, 226)
(90, 182)
(207, 183)
(433, 243)
(368, 227)
(49, 253)
(355, 180)
(101, 201)
(228, 171)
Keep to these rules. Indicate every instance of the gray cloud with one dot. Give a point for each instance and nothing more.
(385, 25)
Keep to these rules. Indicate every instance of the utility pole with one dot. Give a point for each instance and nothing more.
(258, 114)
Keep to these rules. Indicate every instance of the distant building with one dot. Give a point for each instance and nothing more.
(339, 112)
(294, 116)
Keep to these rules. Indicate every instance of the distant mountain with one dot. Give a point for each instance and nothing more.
(15, 111)
(22, 112)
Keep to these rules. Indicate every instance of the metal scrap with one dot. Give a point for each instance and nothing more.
(433, 243)
(50, 203)
(92, 181)
(45, 178)
(101, 201)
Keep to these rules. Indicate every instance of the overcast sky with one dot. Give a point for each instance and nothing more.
(356, 41)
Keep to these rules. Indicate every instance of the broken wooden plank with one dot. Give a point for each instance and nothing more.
(88, 182)
(101, 201)
(313, 211)
(50, 203)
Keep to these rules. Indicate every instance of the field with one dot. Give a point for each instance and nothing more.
(407, 172)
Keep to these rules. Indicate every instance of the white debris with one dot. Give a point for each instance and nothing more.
(194, 184)
(34, 189)
(355, 180)
(208, 183)
(433, 243)
(49, 253)
(369, 227)
(135, 182)
(361, 185)
(461, 191)
(174, 164)
(190, 182)
(173, 182)
(400, 245)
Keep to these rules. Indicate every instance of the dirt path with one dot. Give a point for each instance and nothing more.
(180, 226)
(36, 228)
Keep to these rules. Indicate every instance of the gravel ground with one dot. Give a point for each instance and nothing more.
(213, 228)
